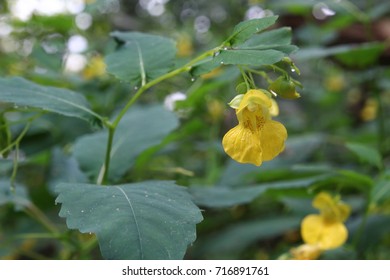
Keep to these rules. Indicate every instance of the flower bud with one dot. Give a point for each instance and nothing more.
(284, 88)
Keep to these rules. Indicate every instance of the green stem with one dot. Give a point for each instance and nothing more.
(244, 76)
(381, 125)
(15, 168)
(20, 137)
(187, 67)
(38, 215)
(103, 175)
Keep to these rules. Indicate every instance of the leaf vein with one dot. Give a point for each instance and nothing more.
(135, 221)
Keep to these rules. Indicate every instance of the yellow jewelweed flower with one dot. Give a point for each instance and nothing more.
(257, 137)
(326, 230)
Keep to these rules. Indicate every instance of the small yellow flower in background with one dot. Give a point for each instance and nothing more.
(326, 230)
(257, 137)
(306, 252)
(370, 110)
(184, 45)
(215, 109)
(95, 68)
(335, 82)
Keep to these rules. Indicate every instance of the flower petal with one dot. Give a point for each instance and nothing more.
(242, 145)
(315, 230)
(254, 96)
(331, 207)
(272, 138)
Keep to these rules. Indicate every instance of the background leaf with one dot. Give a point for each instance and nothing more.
(57, 100)
(366, 153)
(239, 236)
(148, 220)
(64, 169)
(220, 196)
(143, 57)
(139, 129)
(19, 198)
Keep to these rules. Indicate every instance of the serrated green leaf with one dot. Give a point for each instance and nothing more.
(140, 128)
(366, 153)
(265, 48)
(148, 220)
(244, 30)
(278, 39)
(142, 58)
(19, 198)
(238, 57)
(57, 100)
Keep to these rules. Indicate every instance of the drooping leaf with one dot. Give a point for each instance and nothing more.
(148, 220)
(366, 153)
(19, 198)
(140, 128)
(142, 57)
(22, 92)
(244, 30)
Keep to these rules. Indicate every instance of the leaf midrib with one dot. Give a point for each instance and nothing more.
(135, 220)
(54, 97)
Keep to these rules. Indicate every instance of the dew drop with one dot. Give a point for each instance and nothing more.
(117, 209)
(82, 211)
(292, 70)
(217, 53)
(222, 63)
(225, 48)
(192, 79)
(135, 88)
